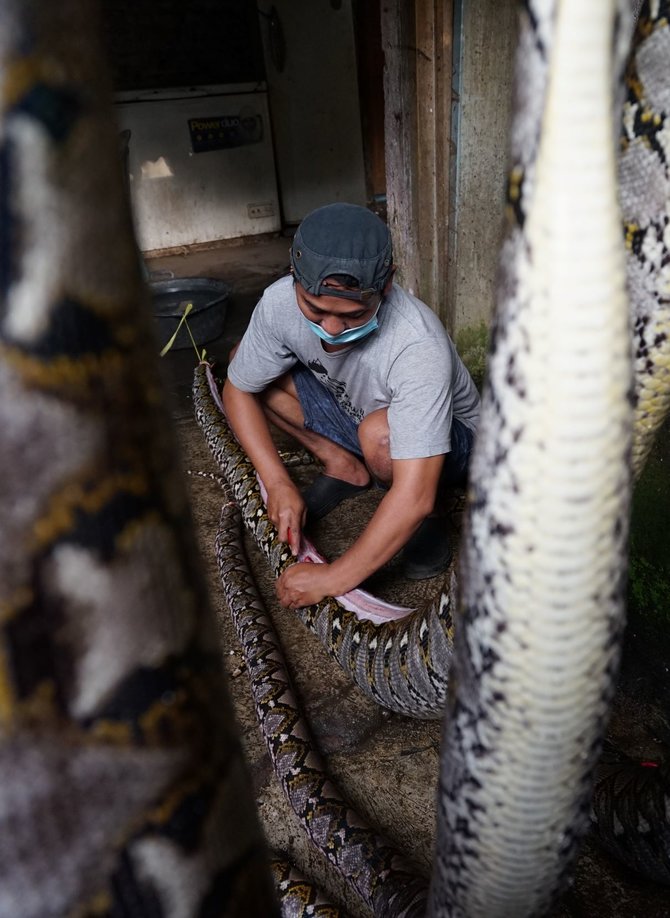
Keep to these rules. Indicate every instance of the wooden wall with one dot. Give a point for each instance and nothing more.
(482, 113)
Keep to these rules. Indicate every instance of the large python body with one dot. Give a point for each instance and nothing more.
(644, 182)
(119, 763)
(379, 874)
(120, 770)
(544, 547)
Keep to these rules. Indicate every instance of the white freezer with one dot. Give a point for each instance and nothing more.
(201, 165)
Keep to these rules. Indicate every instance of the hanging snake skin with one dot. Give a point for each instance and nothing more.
(123, 790)
(644, 181)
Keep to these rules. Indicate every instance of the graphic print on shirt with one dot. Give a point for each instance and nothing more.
(337, 388)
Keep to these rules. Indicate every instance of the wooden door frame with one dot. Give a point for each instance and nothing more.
(417, 41)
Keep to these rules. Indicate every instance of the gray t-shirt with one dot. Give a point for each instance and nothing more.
(408, 365)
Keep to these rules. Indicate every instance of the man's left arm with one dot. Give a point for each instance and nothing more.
(399, 514)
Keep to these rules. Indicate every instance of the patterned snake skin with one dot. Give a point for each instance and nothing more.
(644, 181)
(383, 879)
(121, 772)
(123, 789)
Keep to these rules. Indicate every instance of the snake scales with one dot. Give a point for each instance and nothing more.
(121, 772)
(121, 769)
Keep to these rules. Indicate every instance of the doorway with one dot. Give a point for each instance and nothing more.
(324, 72)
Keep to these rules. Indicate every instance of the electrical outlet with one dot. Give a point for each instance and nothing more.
(257, 211)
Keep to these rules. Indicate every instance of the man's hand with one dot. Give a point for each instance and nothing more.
(286, 509)
(398, 515)
(304, 584)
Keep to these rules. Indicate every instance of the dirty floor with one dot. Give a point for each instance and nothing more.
(385, 764)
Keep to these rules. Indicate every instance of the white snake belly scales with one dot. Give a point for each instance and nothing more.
(107, 667)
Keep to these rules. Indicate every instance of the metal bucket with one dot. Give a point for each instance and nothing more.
(207, 317)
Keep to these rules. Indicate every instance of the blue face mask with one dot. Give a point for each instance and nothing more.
(349, 334)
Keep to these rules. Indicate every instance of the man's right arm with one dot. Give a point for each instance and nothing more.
(286, 507)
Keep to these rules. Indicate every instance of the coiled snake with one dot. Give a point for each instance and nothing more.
(122, 776)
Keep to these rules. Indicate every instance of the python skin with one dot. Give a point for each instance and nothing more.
(122, 785)
(631, 806)
(380, 875)
(644, 181)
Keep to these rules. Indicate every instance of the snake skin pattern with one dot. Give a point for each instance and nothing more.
(380, 875)
(644, 180)
(300, 898)
(124, 790)
(544, 550)
(631, 800)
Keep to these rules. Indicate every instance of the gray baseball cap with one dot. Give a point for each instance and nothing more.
(342, 239)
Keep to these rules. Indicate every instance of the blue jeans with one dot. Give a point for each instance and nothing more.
(324, 415)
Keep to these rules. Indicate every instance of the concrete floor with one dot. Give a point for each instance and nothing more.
(386, 765)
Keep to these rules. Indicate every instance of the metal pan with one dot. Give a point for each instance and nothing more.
(208, 314)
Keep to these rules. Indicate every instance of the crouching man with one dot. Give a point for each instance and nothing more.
(363, 375)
